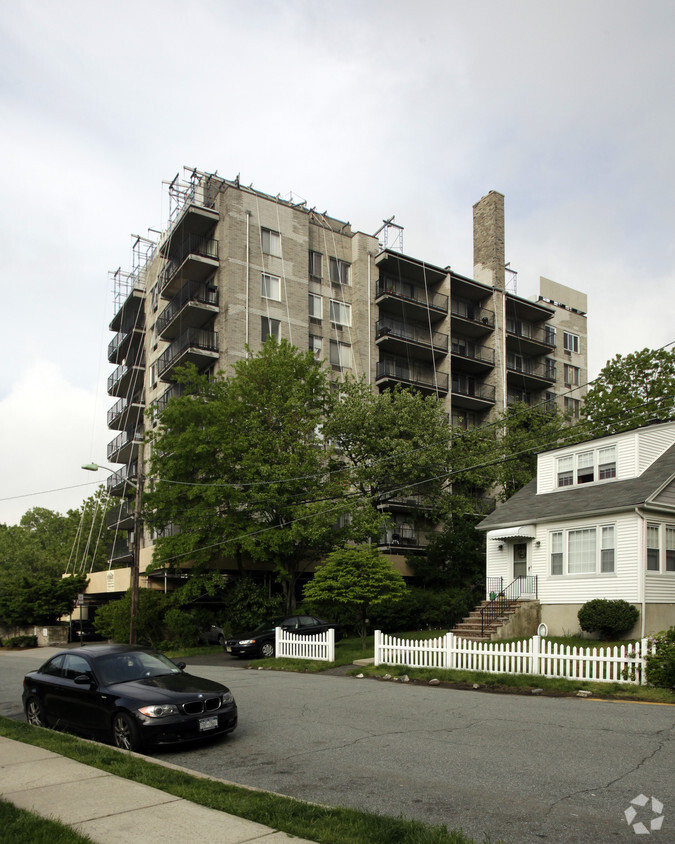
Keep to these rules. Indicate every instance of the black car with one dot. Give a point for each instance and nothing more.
(135, 697)
(83, 631)
(261, 641)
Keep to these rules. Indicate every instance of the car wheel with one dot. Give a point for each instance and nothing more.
(267, 650)
(34, 713)
(125, 732)
(221, 639)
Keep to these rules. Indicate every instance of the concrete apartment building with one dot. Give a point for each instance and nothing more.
(235, 265)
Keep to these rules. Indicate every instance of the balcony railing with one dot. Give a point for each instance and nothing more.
(537, 369)
(417, 376)
(404, 537)
(123, 372)
(390, 286)
(474, 352)
(129, 438)
(527, 331)
(474, 389)
(123, 512)
(192, 244)
(193, 291)
(472, 312)
(122, 406)
(123, 477)
(193, 338)
(412, 333)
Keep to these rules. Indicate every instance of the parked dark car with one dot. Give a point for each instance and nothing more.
(83, 632)
(260, 642)
(137, 698)
(214, 635)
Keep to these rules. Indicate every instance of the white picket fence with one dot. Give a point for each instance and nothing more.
(319, 646)
(538, 656)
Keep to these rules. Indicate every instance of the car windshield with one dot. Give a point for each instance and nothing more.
(269, 625)
(135, 665)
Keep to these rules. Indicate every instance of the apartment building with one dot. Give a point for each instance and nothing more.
(235, 265)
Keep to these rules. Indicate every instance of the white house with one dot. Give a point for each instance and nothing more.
(598, 521)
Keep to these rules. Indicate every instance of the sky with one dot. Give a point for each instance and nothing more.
(366, 109)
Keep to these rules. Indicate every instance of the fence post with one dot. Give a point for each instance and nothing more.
(277, 636)
(536, 655)
(331, 645)
(378, 646)
(449, 650)
(644, 647)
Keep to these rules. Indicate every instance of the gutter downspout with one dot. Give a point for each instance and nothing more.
(642, 570)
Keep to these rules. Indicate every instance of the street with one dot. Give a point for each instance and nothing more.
(514, 768)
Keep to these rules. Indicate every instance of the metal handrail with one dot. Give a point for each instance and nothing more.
(472, 312)
(417, 375)
(507, 598)
(191, 292)
(412, 332)
(413, 293)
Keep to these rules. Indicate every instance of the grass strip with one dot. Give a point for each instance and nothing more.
(19, 827)
(322, 824)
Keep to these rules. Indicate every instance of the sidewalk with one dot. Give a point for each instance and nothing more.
(113, 810)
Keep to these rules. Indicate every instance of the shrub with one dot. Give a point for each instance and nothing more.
(661, 666)
(112, 619)
(608, 618)
(248, 604)
(21, 642)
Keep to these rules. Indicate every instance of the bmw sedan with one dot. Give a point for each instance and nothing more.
(135, 697)
(260, 642)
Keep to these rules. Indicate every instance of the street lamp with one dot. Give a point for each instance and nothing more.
(135, 565)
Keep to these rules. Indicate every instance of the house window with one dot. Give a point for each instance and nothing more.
(581, 551)
(270, 287)
(269, 328)
(585, 468)
(315, 306)
(315, 345)
(670, 548)
(566, 471)
(557, 553)
(339, 271)
(607, 550)
(271, 242)
(571, 407)
(653, 550)
(340, 313)
(340, 354)
(315, 266)
(549, 335)
(571, 374)
(570, 342)
(607, 463)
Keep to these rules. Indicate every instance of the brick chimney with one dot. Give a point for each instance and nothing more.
(489, 255)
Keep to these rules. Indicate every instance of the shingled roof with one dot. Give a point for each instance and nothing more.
(526, 507)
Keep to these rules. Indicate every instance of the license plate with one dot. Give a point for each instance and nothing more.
(208, 723)
(229, 650)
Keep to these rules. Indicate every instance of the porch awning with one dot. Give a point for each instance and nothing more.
(520, 532)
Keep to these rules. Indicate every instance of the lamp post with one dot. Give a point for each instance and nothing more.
(135, 564)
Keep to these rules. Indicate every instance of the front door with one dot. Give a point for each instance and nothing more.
(519, 560)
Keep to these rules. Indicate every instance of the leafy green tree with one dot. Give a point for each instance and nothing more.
(245, 472)
(355, 580)
(630, 391)
(26, 600)
(112, 619)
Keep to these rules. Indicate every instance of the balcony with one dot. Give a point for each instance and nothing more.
(124, 413)
(127, 379)
(471, 393)
(417, 339)
(401, 539)
(470, 319)
(125, 344)
(193, 346)
(525, 338)
(401, 297)
(173, 391)
(471, 357)
(129, 305)
(125, 446)
(527, 374)
(192, 307)
(123, 481)
(121, 516)
(392, 371)
(121, 552)
(194, 259)
(403, 503)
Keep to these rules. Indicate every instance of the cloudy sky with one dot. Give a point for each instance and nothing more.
(365, 109)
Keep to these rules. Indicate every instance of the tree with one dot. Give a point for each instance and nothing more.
(355, 579)
(244, 472)
(631, 391)
(26, 600)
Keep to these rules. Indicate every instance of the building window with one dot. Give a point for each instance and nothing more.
(315, 306)
(316, 345)
(571, 374)
(581, 551)
(585, 468)
(670, 548)
(653, 550)
(340, 312)
(550, 335)
(269, 328)
(339, 271)
(340, 354)
(271, 242)
(153, 374)
(557, 553)
(315, 266)
(270, 287)
(607, 550)
(571, 407)
(551, 369)
(566, 471)
(607, 463)
(570, 342)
